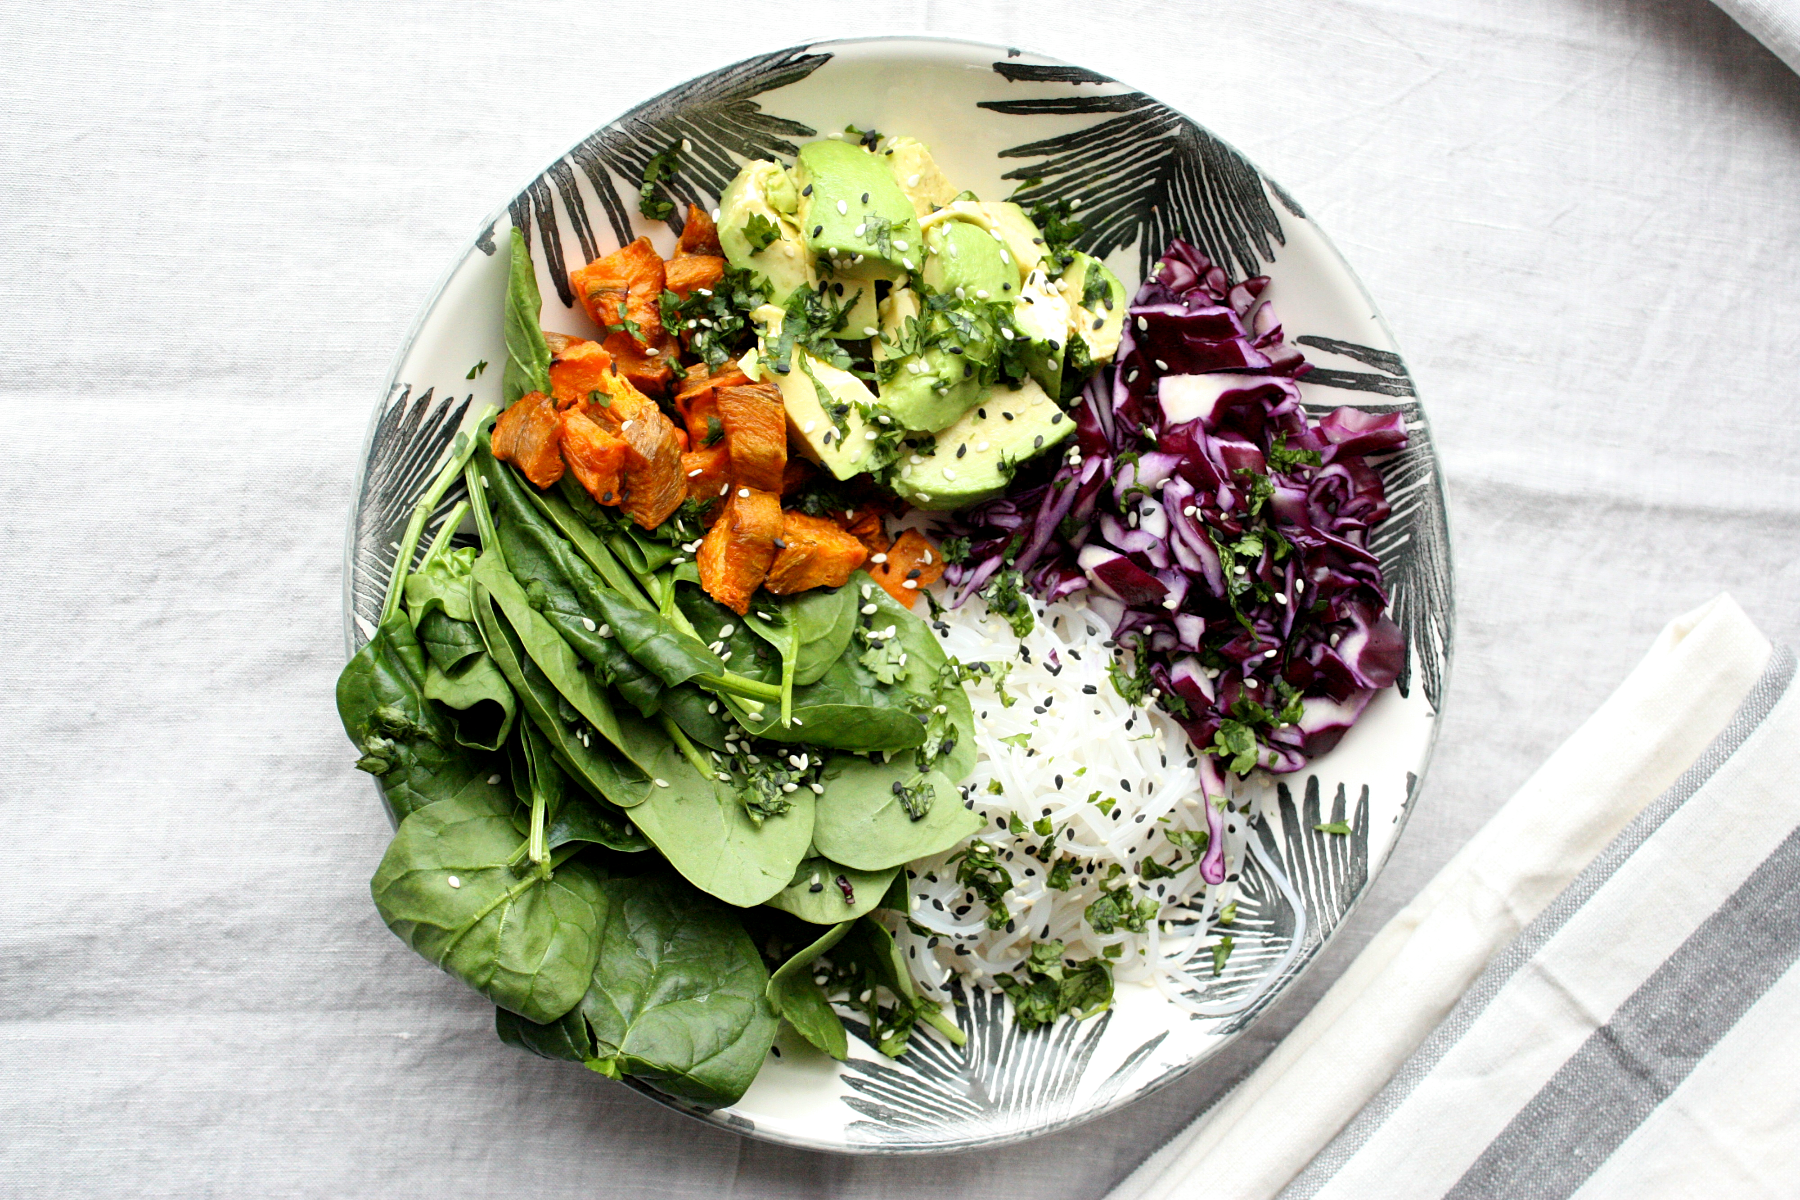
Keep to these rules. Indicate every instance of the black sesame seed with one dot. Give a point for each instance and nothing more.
(780, 545)
(1090, 689)
(1107, 300)
(817, 887)
(1100, 321)
(1058, 788)
(1037, 241)
(968, 370)
(1056, 419)
(1037, 443)
(1125, 783)
(1038, 709)
(1006, 414)
(807, 190)
(962, 449)
(865, 197)
(956, 349)
(818, 229)
(982, 413)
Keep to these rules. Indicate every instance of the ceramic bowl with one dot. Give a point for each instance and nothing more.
(994, 118)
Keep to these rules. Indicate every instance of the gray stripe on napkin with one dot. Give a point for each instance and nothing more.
(1755, 708)
(1630, 1064)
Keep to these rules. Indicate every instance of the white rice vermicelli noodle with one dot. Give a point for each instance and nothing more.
(1083, 744)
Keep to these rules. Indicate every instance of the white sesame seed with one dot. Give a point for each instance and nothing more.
(899, 245)
(723, 777)
(1142, 324)
(878, 558)
(1160, 364)
(587, 623)
(843, 208)
(859, 230)
(910, 583)
(1280, 599)
(694, 472)
(790, 787)
(713, 707)
(492, 779)
(662, 783)
(981, 445)
(724, 487)
(743, 493)
(485, 485)
(1272, 654)
(727, 630)
(869, 610)
(715, 214)
(817, 789)
(454, 882)
(912, 181)
(871, 435)
(981, 293)
(870, 331)
(798, 721)
(809, 427)
(907, 263)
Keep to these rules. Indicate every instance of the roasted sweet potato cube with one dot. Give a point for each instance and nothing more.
(698, 235)
(814, 553)
(625, 285)
(734, 557)
(696, 400)
(578, 369)
(707, 471)
(866, 525)
(910, 563)
(756, 430)
(654, 487)
(649, 370)
(529, 435)
(696, 271)
(597, 457)
(796, 475)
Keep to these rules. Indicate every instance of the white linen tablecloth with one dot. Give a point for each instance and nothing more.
(1579, 216)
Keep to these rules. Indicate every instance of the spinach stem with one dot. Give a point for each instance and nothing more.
(787, 686)
(484, 517)
(460, 450)
(539, 809)
(739, 685)
(930, 1014)
(446, 532)
(688, 750)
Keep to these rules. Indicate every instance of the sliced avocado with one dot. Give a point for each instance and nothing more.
(901, 305)
(841, 440)
(933, 388)
(1022, 235)
(917, 174)
(1042, 315)
(852, 214)
(1096, 306)
(765, 191)
(964, 254)
(975, 458)
(863, 315)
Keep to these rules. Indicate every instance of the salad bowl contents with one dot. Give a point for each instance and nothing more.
(863, 645)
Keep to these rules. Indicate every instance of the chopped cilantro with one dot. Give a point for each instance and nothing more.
(715, 431)
(980, 870)
(661, 168)
(1056, 221)
(1047, 986)
(477, 369)
(726, 332)
(1006, 597)
(760, 232)
(954, 550)
(1115, 909)
(1338, 827)
(1062, 875)
(1228, 914)
(1220, 953)
(1284, 460)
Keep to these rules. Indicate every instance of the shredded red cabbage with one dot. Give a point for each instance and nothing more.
(1222, 535)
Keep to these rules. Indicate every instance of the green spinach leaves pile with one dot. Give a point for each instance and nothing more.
(649, 830)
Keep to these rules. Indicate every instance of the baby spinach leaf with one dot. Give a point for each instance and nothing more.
(743, 651)
(697, 713)
(572, 814)
(863, 822)
(454, 887)
(949, 744)
(704, 832)
(823, 620)
(846, 709)
(449, 643)
(801, 1002)
(527, 354)
(479, 695)
(587, 543)
(678, 996)
(563, 721)
(405, 741)
(824, 892)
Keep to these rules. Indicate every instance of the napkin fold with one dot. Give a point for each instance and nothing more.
(1774, 23)
(1583, 999)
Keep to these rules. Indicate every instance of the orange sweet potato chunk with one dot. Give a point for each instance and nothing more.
(735, 556)
(756, 430)
(699, 236)
(529, 435)
(654, 487)
(649, 370)
(597, 457)
(578, 369)
(796, 475)
(695, 271)
(814, 553)
(625, 285)
(866, 526)
(911, 563)
(707, 471)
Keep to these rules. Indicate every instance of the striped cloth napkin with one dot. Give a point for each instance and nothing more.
(1774, 23)
(1596, 997)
